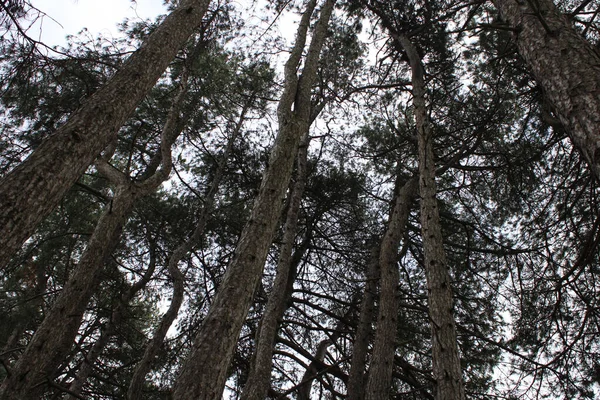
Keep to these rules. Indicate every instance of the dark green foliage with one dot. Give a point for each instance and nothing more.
(519, 209)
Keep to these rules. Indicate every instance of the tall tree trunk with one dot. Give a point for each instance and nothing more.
(364, 330)
(204, 372)
(565, 65)
(259, 379)
(33, 189)
(446, 360)
(384, 347)
(55, 335)
(134, 392)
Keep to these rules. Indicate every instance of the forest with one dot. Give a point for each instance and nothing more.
(397, 200)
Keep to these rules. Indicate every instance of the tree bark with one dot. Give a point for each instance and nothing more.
(446, 360)
(55, 335)
(364, 330)
(312, 371)
(317, 364)
(258, 383)
(565, 65)
(204, 372)
(382, 362)
(134, 392)
(32, 190)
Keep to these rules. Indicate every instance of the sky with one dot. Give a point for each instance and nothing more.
(68, 17)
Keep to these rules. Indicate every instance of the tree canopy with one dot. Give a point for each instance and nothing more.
(395, 199)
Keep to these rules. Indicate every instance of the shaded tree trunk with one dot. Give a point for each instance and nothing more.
(312, 371)
(33, 189)
(204, 372)
(134, 392)
(364, 330)
(382, 362)
(317, 365)
(446, 360)
(566, 66)
(258, 383)
(53, 339)
(55, 335)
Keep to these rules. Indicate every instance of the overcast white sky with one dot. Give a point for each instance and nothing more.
(97, 15)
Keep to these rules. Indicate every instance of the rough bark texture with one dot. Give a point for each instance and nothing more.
(32, 190)
(204, 372)
(446, 360)
(258, 383)
(55, 335)
(382, 362)
(53, 339)
(134, 392)
(565, 65)
(364, 330)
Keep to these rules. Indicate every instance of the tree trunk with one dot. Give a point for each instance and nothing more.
(134, 392)
(55, 335)
(259, 379)
(204, 372)
(32, 190)
(566, 66)
(317, 365)
(446, 360)
(382, 362)
(364, 330)
(312, 371)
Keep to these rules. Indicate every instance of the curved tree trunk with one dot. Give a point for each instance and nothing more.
(565, 65)
(134, 392)
(312, 371)
(259, 379)
(204, 372)
(384, 347)
(446, 359)
(364, 330)
(55, 335)
(33, 189)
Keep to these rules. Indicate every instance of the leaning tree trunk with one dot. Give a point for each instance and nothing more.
(364, 330)
(566, 66)
(53, 339)
(204, 372)
(258, 383)
(134, 392)
(379, 383)
(446, 360)
(55, 335)
(317, 364)
(312, 371)
(32, 190)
